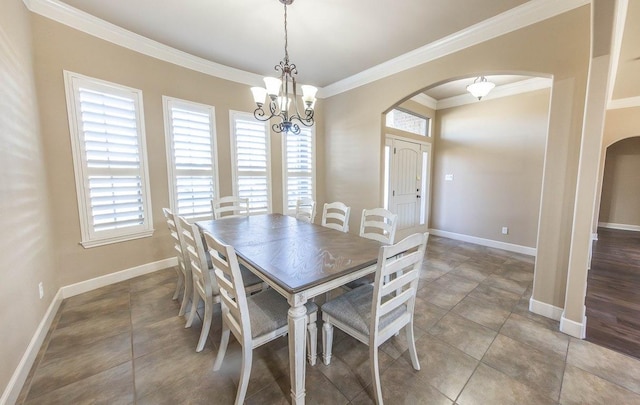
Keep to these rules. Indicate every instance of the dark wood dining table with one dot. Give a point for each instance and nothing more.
(299, 260)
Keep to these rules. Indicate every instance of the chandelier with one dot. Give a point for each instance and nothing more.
(283, 99)
(480, 87)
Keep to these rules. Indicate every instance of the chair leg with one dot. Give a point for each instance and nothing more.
(194, 307)
(312, 342)
(375, 374)
(186, 297)
(224, 341)
(412, 346)
(245, 372)
(206, 323)
(179, 283)
(327, 341)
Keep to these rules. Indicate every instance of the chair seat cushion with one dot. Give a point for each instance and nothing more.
(354, 309)
(268, 311)
(248, 277)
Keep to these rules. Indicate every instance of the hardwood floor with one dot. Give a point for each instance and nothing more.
(613, 292)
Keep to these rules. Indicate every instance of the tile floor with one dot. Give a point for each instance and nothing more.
(477, 344)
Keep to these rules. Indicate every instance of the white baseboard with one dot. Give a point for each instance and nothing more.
(12, 391)
(546, 310)
(485, 242)
(92, 284)
(622, 227)
(19, 377)
(573, 328)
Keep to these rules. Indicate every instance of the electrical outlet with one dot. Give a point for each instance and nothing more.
(505, 230)
(448, 177)
(41, 289)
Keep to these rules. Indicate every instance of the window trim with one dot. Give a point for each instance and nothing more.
(234, 160)
(167, 103)
(285, 177)
(89, 237)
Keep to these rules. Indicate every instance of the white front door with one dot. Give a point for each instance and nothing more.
(408, 185)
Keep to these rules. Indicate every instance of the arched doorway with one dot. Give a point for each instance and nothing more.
(612, 301)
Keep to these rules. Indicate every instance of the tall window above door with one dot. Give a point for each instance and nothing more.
(299, 167)
(110, 161)
(191, 156)
(408, 121)
(250, 153)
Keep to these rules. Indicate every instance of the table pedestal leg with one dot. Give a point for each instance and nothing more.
(297, 330)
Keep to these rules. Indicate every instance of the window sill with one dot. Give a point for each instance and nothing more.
(116, 239)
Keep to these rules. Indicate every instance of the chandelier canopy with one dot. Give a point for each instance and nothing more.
(282, 103)
(480, 87)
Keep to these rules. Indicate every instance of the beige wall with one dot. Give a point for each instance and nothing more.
(25, 249)
(62, 48)
(620, 202)
(558, 48)
(495, 150)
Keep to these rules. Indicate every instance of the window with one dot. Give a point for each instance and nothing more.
(107, 136)
(408, 121)
(250, 151)
(298, 167)
(190, 139)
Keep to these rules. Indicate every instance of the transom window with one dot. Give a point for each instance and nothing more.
(190, 136)
(107, 136)
(408, 121)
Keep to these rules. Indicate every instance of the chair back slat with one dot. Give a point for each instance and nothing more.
(178, 242)
(336, 216)
(393, 328)
(401, 263)
(379, 224)
(197, 258)
(233, 296)
(230, 207)
(395, 302)
(306, 209)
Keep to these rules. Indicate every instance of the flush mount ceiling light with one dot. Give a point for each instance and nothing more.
(283, 100)
(480, 87)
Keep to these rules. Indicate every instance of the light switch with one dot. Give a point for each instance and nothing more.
(448, 177)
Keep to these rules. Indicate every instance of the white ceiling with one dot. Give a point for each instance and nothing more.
(329, 40)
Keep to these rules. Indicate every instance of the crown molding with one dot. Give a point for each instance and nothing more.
(506, 90)
(425, 100)
(519, 17)
(74, 18)
(629, 102)
(529, 13)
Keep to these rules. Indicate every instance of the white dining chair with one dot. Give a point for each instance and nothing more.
(230, 207)
(374, 313)
(335, 215)
(379, 224)
(306, 209)
(184, 264)
(205, 287)
(255, 319)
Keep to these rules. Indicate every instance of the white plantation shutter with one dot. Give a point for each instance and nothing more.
(299, 167)
(189, 129)
(251, 161)
(109, 160)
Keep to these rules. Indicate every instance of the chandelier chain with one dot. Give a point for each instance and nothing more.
(286, 41)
